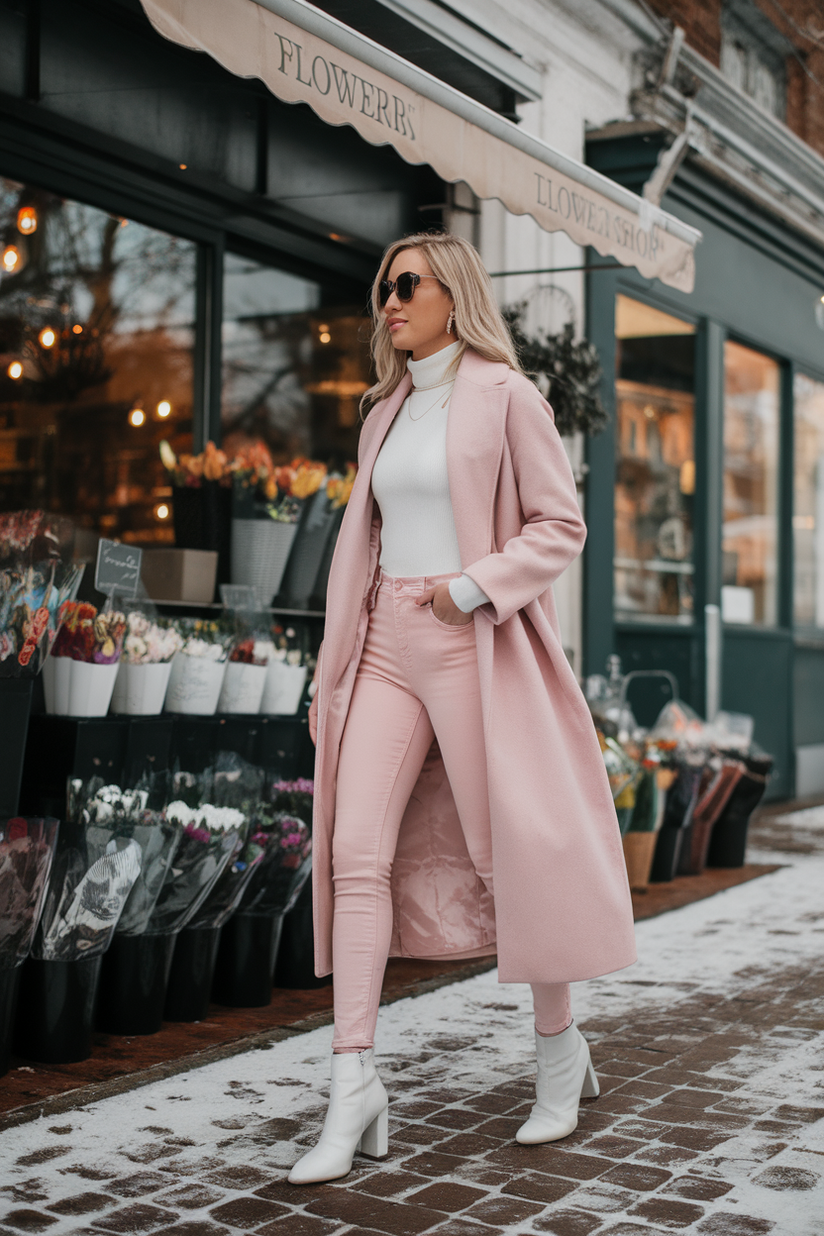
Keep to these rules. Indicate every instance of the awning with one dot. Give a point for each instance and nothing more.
(305, 56)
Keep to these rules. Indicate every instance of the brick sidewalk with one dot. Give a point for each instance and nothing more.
(711, 1119)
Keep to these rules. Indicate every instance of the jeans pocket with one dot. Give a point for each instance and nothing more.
(450, 626)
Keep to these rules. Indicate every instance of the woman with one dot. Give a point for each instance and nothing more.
(461, 802)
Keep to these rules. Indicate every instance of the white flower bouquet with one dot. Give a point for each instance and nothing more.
(199, 666)
(145, 665)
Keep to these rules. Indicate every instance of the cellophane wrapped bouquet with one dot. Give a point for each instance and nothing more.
(26, 853)
(212, 832)
(286, 863)
(106, 855)
(136, 815)
(237, 785)
(37, 578)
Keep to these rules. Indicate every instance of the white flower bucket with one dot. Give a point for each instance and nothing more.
(78, 688)
(194, 685)
(140, 689)
(260, 551)
(242, 687)
(284, 688)
(54, 674)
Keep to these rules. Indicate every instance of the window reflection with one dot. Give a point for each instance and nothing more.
(655, 464)
(96, 339)
(808, 514)
(294, 366)
(749, 540)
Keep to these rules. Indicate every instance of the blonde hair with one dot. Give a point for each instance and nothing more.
(478, 321)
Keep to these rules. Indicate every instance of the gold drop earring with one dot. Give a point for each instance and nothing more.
(449, 321)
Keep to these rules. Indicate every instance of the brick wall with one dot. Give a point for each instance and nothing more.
(701, 20)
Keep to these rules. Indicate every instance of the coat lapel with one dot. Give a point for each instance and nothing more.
(474, 445)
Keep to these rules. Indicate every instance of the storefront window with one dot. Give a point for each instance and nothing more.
(294, 366)
(96, 340)
(749, 542)
(808, 514)
(655, 465)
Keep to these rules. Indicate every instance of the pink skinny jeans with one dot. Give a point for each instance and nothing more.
(417, 678)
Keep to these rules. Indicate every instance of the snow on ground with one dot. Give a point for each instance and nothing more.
(723, 945)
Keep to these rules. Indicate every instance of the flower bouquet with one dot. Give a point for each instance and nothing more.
(249, 940)
(97, 864)
(26, 854)
(80, 673)
(287, 672)
(199, 666)
(234, 784)
(145, 664)
(246, 672)
(267, 503)
(135, 968)
(36, 578)
(294, 798)
(31, 600)
(202, 501)
(210, 839)
(640, 838)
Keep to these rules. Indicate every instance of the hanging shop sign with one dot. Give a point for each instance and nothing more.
(305, 56)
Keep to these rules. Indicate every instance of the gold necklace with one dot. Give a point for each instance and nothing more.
(431, 406)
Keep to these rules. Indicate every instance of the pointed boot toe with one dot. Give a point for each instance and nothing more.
(357, 1119)
(565, 1076)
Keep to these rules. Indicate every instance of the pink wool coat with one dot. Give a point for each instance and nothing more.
(562, 907)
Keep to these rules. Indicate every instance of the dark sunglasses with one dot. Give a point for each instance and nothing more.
(404, 286)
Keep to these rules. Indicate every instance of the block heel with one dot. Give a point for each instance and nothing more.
(590, 1088)
(374, 1142)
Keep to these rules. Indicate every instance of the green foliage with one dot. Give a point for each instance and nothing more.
(570, 369)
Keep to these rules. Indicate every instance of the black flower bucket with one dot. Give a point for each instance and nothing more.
(295, 966)
(667, 855)
(190, 979)
(9, 984)
(728, 843)
(246, 961)
(55, 1009)
(133, 984)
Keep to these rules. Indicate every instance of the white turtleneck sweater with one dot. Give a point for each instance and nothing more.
(411, 486)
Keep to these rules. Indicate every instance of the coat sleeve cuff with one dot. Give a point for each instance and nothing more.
(466, 594)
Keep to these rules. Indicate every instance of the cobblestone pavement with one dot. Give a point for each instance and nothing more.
(711, 1119)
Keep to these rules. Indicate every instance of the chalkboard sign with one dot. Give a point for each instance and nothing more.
(118, 568)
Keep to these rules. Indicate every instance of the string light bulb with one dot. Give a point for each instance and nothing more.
(15, 370)
(77, 329)
(136, 417)
(11, 257)
(27, 220)
(162, 511)
(47, 337)
(323, 333)
(164, 409)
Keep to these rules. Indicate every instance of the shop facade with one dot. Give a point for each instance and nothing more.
(203, 248)
(704, 491)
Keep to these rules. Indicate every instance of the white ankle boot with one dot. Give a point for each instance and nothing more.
(357, 1119)
(565, 1075)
